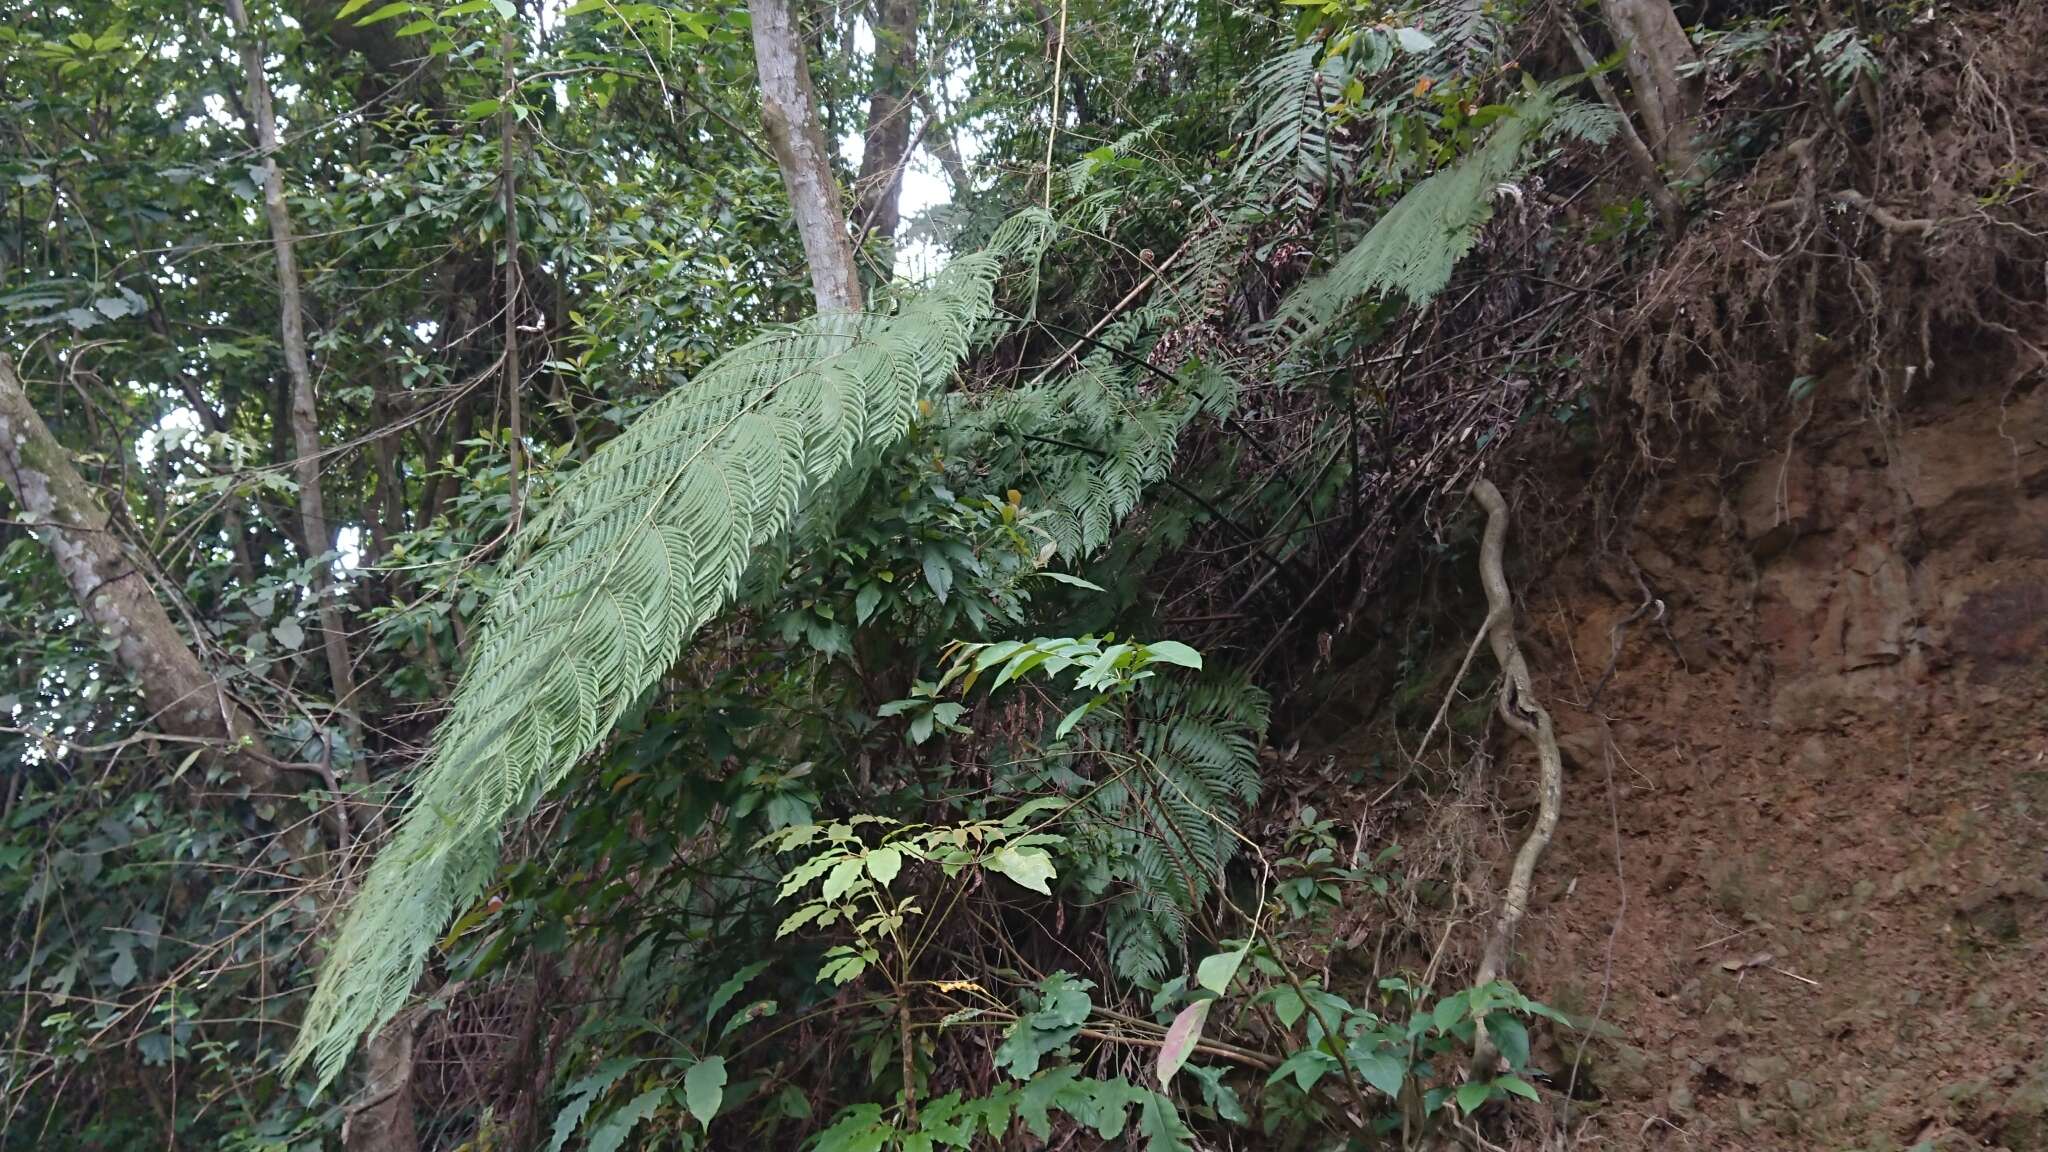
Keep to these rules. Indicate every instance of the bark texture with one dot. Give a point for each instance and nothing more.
(185, 698)
(111, 589)
(381, 1120)
(305, 412)
(886, 144)
(1658, 50)
(508, 159)
(789, 116)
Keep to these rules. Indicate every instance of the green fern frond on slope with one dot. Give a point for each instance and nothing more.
(638, 549)
(1082, 447)
(1411, 250)
(1160, 833)
(1470, 36)
(1290, 137)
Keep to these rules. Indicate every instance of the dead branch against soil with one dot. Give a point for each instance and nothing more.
(1520, 710)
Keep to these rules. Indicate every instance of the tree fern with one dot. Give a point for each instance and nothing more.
(637, 550)
(1469, 36)
(1166, 766)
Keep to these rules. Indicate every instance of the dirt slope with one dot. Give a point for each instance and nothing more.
(1829, 789)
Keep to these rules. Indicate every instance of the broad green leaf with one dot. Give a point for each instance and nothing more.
(1074, 717)
(1517, 1085)
(398, 8)
(758, 1010)
(1448, 1011)
(1381, 1068)
(1287, 1006)
(938, 573)
(1174, 652)
(1061, 1007)
(1473, 1094)
(1511, 1037)
(1216, 1094)
(865, 602)
(1160, 1124)
(859, 1129)
(883, 864)
(704, 1088)
(1216, 972)
(840, 879)
(798, 919)
(1029, 867)
(1306, 1065)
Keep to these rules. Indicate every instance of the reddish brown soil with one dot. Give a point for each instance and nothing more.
(1829, 793)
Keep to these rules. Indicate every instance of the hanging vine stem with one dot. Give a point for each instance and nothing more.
(1052, 129)
(1520, 710)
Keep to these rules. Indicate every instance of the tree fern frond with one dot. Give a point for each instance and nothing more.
(639, 548)
(1584, 120)
(1289, 134)
(1412, 249)
(1469, 36)
(1082, 448)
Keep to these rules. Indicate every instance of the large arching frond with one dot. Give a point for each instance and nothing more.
(638, 549)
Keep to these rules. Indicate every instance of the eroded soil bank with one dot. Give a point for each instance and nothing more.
(1813, 902)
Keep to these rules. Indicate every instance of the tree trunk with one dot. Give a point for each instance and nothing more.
(184, 697)
(1670, 213)
(381, 1120)
(305, 413)
(938, 140)
(886, 145)
(112, 591)
(789, 116)
(508, 160)
(1668, 101)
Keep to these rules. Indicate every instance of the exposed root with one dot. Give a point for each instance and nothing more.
(1520, 710)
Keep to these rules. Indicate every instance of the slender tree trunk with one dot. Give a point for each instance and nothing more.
(1658, 52)
(938, 140)
(230, 508)
(789, 116)
(886, 145)
(508, 146)
(1670, 214)
(382, 1121)
(305, 414)
(112, 591)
